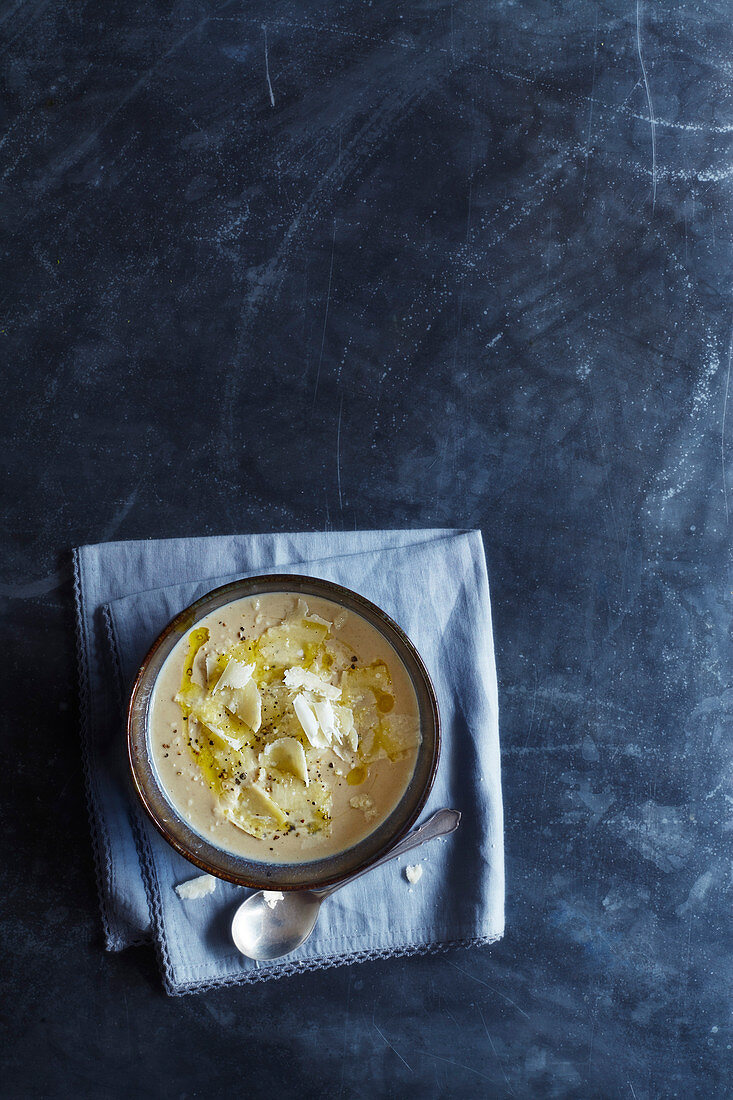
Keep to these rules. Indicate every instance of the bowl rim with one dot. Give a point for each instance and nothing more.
(138, 742)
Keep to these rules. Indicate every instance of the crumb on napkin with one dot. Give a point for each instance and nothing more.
(413, 873)
(196, 887)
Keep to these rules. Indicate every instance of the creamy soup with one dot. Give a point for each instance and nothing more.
(284, 729)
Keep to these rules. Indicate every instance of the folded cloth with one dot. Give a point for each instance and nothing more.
(434, 584)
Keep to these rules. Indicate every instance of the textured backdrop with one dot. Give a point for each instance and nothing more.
(303, 266)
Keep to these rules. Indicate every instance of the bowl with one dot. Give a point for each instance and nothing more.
(238, 869)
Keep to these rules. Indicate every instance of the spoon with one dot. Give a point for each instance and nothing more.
(270, 924)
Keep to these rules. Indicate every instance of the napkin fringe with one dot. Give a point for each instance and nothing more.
(288, 969)
(114, 646)
(142, 938)
(147, 866)
(100, 842)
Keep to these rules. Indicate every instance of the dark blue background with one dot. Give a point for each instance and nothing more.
(471, 268)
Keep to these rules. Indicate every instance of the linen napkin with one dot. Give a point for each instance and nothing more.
(434, 584)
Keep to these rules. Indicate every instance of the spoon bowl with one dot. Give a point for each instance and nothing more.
(270, 924)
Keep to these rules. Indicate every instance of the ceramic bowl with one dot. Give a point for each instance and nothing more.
(280, 876)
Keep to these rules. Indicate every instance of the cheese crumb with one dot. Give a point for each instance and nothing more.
(363, 802)
(196, 887)
(413, 873)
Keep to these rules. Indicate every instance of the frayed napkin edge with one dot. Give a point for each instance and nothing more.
(328, 962)
(100, 841)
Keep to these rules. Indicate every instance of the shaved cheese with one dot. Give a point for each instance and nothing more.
(338, 750)
(246, 704)
(252, 810)
(232, 742)
(327, 719)
(196, 887)
(287, 755)
(401, 732)
(348, 732)
(302, 609)
(236, 675)
(337, 655)
(301, 678)
(211, 663)
(309, 721)
(259, 802)
(413, 872)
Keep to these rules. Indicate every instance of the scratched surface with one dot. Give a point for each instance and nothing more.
(353, 265)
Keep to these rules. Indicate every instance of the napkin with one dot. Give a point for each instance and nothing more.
(434, 584)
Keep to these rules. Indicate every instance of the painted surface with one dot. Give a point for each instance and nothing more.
(353, 265)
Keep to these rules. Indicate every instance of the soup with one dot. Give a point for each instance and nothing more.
(283, 730)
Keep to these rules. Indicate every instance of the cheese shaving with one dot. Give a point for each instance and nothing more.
(301, 678)
(235, 676)
(196, 887)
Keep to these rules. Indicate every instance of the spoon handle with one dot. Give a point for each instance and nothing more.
(440, 824)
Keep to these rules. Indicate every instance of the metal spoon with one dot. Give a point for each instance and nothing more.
(268, 925)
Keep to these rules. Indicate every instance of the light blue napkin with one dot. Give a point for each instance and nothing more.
(434, 584)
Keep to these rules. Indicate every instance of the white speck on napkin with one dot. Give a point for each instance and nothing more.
(413, 873)
(434, 584)
(196, 888)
